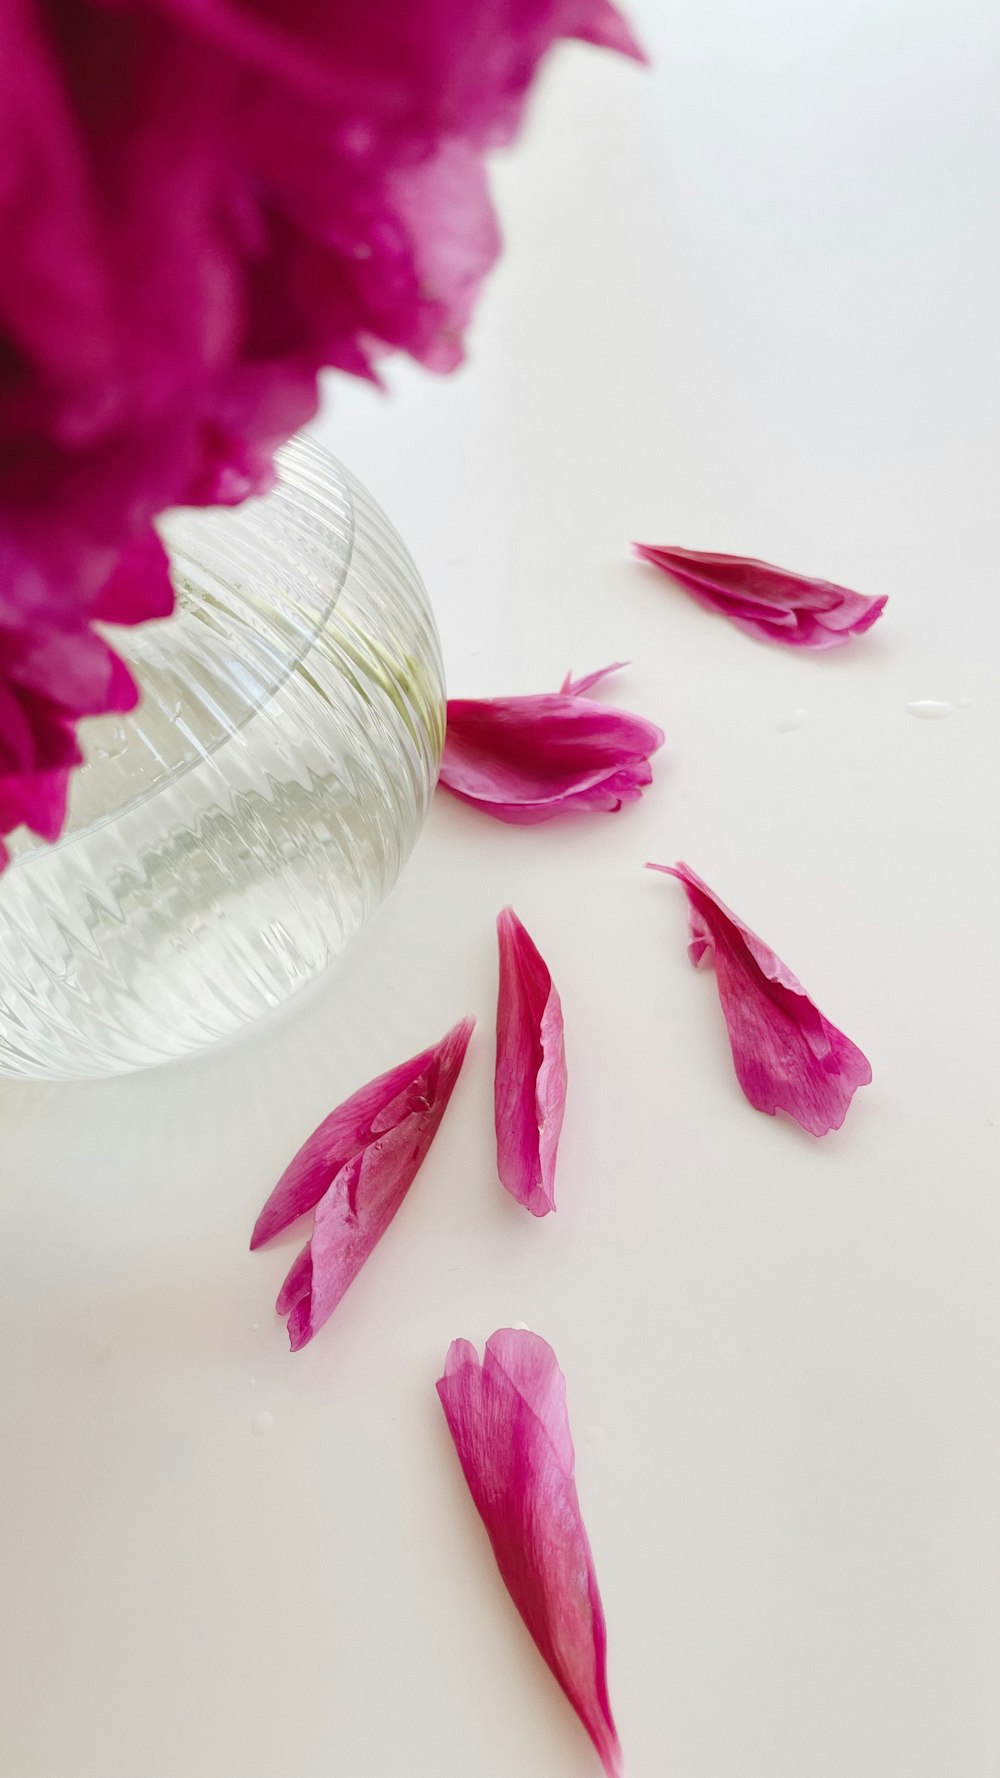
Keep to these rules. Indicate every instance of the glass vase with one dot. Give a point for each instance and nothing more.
(228, 839)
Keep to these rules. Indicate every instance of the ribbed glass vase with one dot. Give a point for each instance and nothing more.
(227, 840)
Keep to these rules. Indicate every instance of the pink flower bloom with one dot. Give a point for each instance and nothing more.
(507, 1417)
(530, 1086)
(202, 204)
(770, 603)
(788, 1057)
(354, 1171)
(526, 759)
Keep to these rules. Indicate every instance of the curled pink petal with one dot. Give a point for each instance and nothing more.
(298, 1283)
(770, 603)
(355, 1171)
(526, 759)
(578, 688)
(787, 1056)
(530, 1085)
(507, 1417)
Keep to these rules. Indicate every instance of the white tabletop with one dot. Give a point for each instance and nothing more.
(750, 302)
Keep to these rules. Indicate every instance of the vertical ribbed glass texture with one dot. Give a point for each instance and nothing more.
(228, 839)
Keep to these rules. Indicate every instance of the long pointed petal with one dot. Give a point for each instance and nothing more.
(530, 1082)
(361, 1200)
(770, 603)
(507, 1417)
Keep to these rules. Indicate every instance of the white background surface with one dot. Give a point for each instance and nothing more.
(750, 302)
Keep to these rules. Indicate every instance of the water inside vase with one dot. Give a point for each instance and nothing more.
(227, 840)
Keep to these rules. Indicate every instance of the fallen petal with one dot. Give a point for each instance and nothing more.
(526, 759)
(787, 1056)
(770, 603)
(577, 688)
(422, 1084)
(507, 1417)
(529, 1092)
(351, 1218)
(355, 1170)
(298, 1283)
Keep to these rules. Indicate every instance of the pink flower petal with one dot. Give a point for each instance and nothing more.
(578, 688)
(526, 759)
(368, 1114)
(530, 1084)
(507, 1417)
(50, 676)
(604, 26)
(39, 801)
(787, 1056)
(355, 1170)
(770, 603)
(139, 586)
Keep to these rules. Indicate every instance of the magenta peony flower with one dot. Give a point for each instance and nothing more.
(202, 204)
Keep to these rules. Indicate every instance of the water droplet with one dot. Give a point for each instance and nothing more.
(253, 1382)
(114, 744)
(255, 1327)
(596, 1434)
(931, 709)
(521, 1327)
(262, 1423)
(794, 719)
